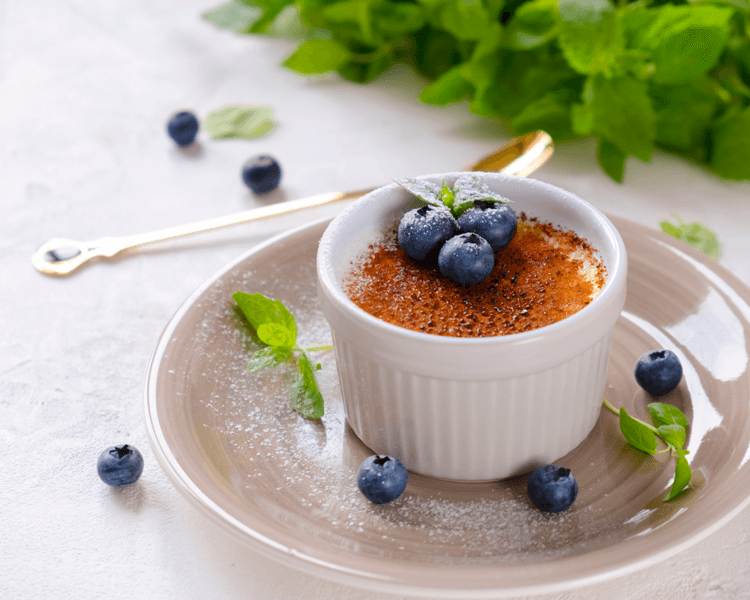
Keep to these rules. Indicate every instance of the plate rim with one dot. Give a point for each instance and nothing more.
(297, 559)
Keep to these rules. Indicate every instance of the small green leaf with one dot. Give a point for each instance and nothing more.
(674, 435)
(270, 356)
(239, 121)
(258, 309)
(446, 195)
(731, 147)
(233, 15)
(638, 433)
(682, 476)
(304, 394)
(275, 334)
(612, 159)
(425, 191)
(318, 56)
(448, 88)
(666, 414)
(469, 189)
(697, 235)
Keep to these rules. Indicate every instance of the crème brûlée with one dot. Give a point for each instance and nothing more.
(544, 275)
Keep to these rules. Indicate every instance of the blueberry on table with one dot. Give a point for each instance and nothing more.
(381, 479)
(182, 128)
(120, 466)
(466, 258)
(424, 229)
(261, 174)
(495, 222)
(552, 488)
(658, 372)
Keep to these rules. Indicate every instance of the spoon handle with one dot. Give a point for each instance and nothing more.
(59, 256)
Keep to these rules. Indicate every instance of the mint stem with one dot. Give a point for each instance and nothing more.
(319, 348)
(610, 407)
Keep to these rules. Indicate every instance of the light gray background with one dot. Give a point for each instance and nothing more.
(86, 88)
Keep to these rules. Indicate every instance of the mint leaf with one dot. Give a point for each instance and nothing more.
(239, 121)
(469, 189)
(449, 87)
(270, 356)
(674, 435)
(258, 310)
(638, 433)
(686, 41)
(619, 109)
(464, 19)
(591, 35)
(318, 56)
(682, 477)
(612, 159)
(697, 235)
(446, 195)
(425, 191)
(234, 15)
(666, 414)
(731, 147)
(275, 334)
(304, 394)
(534, 24)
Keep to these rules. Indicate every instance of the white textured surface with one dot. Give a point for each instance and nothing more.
(85, 90)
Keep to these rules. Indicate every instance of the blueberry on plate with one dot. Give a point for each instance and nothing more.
(182, 128)
(381, 479)
(120, 466)
(658, 372)
(466, 258)
(552, 488)
(495, 222)
(261, 174)
(425, 229)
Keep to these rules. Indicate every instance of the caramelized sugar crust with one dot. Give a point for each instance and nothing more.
(544, 275)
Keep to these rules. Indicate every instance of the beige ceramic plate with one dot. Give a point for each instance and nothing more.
(229, 442)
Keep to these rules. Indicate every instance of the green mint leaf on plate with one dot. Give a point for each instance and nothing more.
(673, 435)
(682, 476)
(304, 394)
(238, 121)
(446, 195)
(424, 190)
(258, 310)
(275, 334)
(638, 433)
(697, 235)
(269, 356)
(276, 327)
(666, 414)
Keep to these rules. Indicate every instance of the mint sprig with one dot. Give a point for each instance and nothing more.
(670, 426)
(239, 121)
(636, 75)
(467, 190)
(697, 235)
(276, 331)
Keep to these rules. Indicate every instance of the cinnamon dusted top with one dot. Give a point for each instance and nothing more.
(544, 275)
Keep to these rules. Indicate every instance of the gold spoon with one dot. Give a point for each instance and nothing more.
(521, 156)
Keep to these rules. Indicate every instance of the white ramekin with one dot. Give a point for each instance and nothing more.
(471, 409)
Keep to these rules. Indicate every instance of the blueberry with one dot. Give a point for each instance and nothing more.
(182, 128)
(261, 174)
(423, 230)
(381, 479)
(658, 372)
(466, 258)
(495, 222)
(120, 466)
(552, 488)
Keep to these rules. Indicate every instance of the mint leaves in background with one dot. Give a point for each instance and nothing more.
(670, 426)
(637, 75)
(697, 235)
(274, 328)
(239, 121)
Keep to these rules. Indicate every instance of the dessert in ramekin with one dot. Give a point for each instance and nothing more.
(471, 408)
